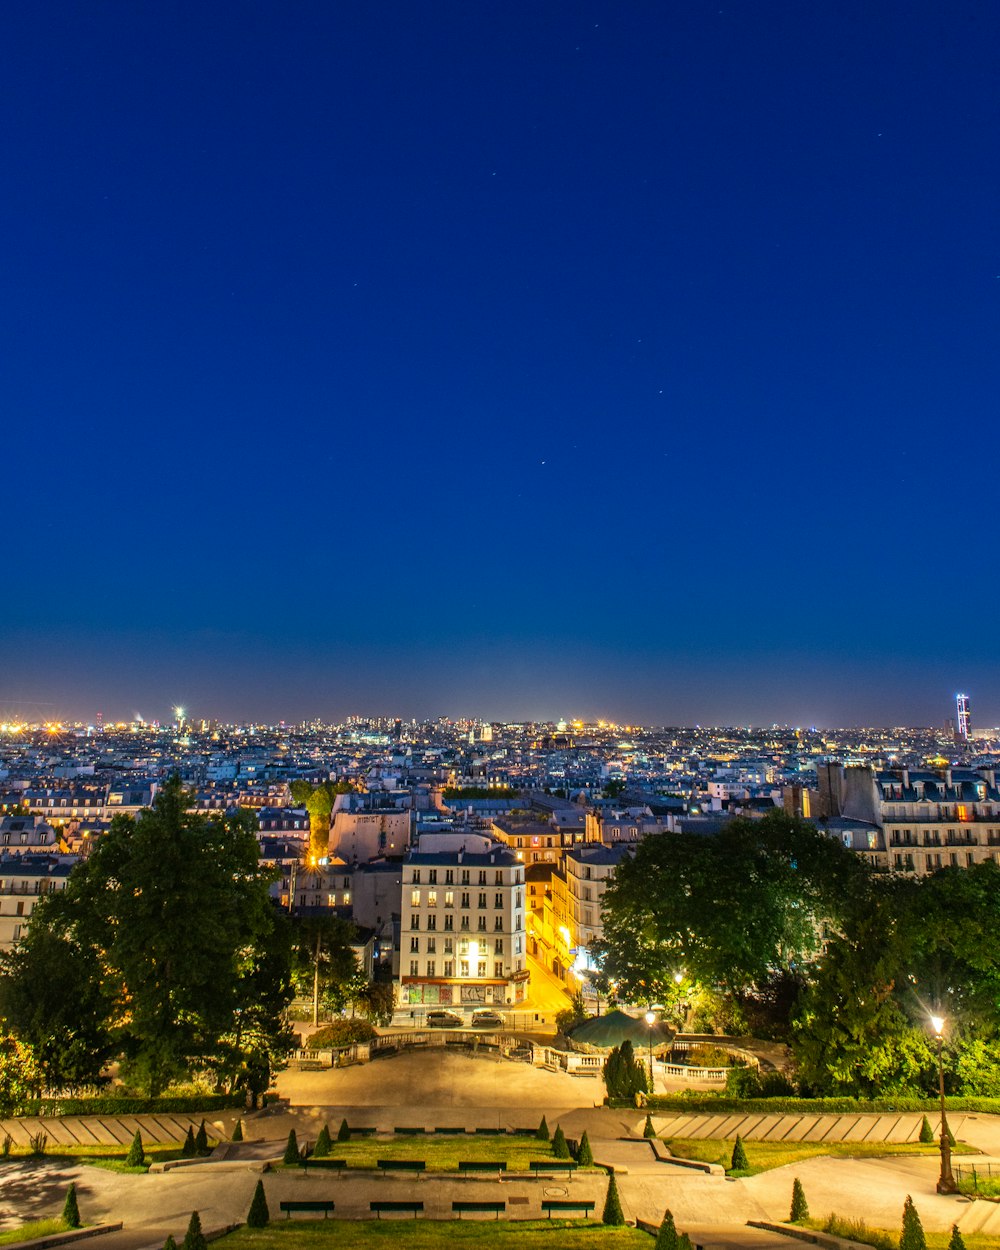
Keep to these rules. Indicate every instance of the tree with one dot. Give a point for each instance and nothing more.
(238, 1131)
(614, 788)
(322, 1147)
(926, 1132)
(666, 1235)
(585, 1156)
(624, 1074)
(71, 1210)
(912, 1235)
(740, 1162)
(800, 1208)
(542, 1132)
(194, 1238)
(201, 1139)
(647, 1128)
(172, 910)
(170, 1244)
(189, 1149)
(560, 1149)
(136, 1156)
(612, 1213)
(324, 966)
(291, 1154)
(20, 1075)
(259, 1214)
(344, 1132)
(956, 1241)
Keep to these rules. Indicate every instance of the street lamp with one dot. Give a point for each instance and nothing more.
(946, 1181)
(650, 1021)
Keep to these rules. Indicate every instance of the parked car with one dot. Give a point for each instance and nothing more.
(487, 1018)
(444, 1020)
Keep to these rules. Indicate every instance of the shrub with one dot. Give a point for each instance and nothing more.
(542, 1133)
(189, 1149)
(38, 1143)
(5, 1145)
(344, 1132)
(612, 1213)
(322, 1147)
(858, 1230)
(776, 1085)
(740, 1162)
(800, 1208)
(258, 1215)
(625, 1075)
(957, 1241)
(585, 1156)
(926, 1132)
(705, 1055)
(170, 1244)
(559, 1148)
(341, 1033)
(238, 1131)
(71, 1211)
(684, 1242)
(666, 1236)
(136, 1156)
(647, 1128)
(201, 1139)
(106, 1104)
(194, 1238)
(912, 1235)
(291, 1154)
(743, 1082)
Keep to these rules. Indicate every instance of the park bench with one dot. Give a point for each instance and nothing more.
(486, 1208)
(563, 1206)
(409, 1132)
(289, 1207)
(388, 1207)
(333, 1165)
(450, 1132)
(524, 1132)
(479, 1165)
(369, 1130)
(402, 1165)
(552, 1165)
(492, 1132)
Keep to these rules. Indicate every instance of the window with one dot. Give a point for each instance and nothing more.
(498, 924)
(449, 923)
(482, 878)
(465, 924)
(432, 876)
(517, 899)
(482, 924)
(449, 946)
(481, 968)
(517, 921)
(449, 968)
(465, 876)
(414, 898)
(498, 946)
(482, 898)
(415, 921)
(463, 968)
(416, 876)
(414, 966)
(449, 898)
(432, 898)
(498, 900)
(498, 880)
(465, 900)
(498, 970)
(431, 945)
(449, 876)
(20, 909)
(430, 967)
(414, 944)
(517, 946)
(432, 922)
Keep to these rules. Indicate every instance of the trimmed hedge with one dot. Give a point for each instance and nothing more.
(129, 1106)
(717, 1103)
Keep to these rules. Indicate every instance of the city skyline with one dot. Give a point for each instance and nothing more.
(628, 362)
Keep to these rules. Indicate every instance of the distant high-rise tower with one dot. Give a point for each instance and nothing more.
(963, 725)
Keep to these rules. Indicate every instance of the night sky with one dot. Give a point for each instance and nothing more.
(513, 359)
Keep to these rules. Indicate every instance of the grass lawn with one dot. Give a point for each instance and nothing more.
(885, 1237)
(432, 1234)
(764, 1155)
(111, 1158)
(442, 1154)
(34, 1228)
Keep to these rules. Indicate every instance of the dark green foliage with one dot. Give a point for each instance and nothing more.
(740, 1162)
(194, 1238)
(624, 1074)
(136, 1156)
(957, 1241)
(71, 1211)
(238, 1131)
(612, 1213)
(322, 1147)
(201, 1139)
(559, 1148)
(585, 1156)
(666, 1236)
(543, 1131)
(344, 1132)
(291, 1154)
(912, 1235)
(170, 1244)
(189, 1149)
(950, 1135)
(800, 1208)
(926, 1132)
(647, 1128)
(684, 1242)
(106, 1105)
(258, 1215)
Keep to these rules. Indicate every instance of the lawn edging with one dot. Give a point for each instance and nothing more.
(827, 1240)
(71, 1234)
(664, 1155)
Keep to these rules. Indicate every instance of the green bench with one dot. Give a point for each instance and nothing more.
(402, 1165)
(563, 1206)
(409, 1132)
(389, 1207)
(289, 1207)
(492, 1132)
(368, 1131)
(334, 1165)
(553, 1165)
(450, 1132)
(524, 1132)
(478, 1165)
(486, 1208)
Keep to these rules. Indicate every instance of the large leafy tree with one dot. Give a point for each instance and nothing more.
(325, 967)
(171, 912)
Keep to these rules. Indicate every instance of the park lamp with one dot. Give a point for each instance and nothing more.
(650, 1021)
(946, 1181)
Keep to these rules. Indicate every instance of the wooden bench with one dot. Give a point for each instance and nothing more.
(409, 1132)
(335, 1165)
(562, 1205)
(524, 1132)
(368, 1131)
(478, 1165)
(552, 1165)
(389, 1207)
(450, 1132)
(402, 1165)
(289, 1207)
(492, 1132)
(487, 1208)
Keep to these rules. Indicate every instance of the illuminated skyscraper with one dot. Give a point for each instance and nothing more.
(963, 726)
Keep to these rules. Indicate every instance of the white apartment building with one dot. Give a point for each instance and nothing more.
(589, 868)
(462, 933)
(24, 879)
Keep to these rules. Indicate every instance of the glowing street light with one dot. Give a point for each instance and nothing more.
(650, 1021)
(946, 1181)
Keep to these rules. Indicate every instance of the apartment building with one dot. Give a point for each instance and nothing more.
(24, 879)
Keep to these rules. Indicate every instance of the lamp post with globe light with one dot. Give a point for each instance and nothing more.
(650, 1021)
(946, 1181)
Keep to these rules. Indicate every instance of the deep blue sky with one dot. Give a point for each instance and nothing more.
(499, 358)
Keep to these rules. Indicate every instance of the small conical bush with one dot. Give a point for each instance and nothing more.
(189, 1149)
(543, 1131)
(800, 1208)
(926, 1132)
(170, 1244)
(194, 1238)
(684, 1242)
(71, 1211)
(739, 1163)
(647, 1128)
(291, 1154)
(136, 1156)
(666, 1236)
(258, 1215)
(344, 1132)
(912, 1234)
(585, 1156)
(322, 1147)
(612, 1213)
(957, 1241)
(201, 1139)
(238, 1131)
(559, 1148)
